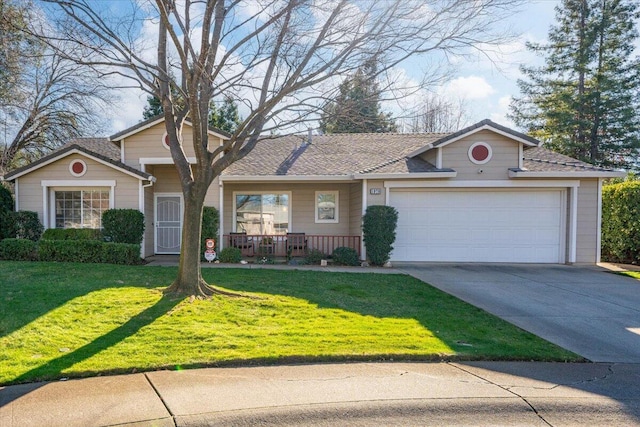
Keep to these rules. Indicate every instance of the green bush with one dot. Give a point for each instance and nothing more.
(210, 226)
(18, 249)
(379, 232)
(121, 253)
(123, 225)
(6, 199)
(621, 222)
(7, 224)
(89, 251)
(230, 254)
(70, 250)
(314, 256)
(72, 234)
(345, 256)
(27, 225)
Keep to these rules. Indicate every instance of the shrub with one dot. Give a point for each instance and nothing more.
(123, 225)
(210, 226)
(7, 224)
(621, 222)
(314, 256)
(232, 255)
(379, 232)
(72, 234)
(6, 199)
(27, 225)
(120, 253)
(345, 256)
(18, 249)
(89, 251)
(70, 250)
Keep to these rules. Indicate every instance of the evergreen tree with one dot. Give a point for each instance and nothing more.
(584, 101)
(225, 117)
(357, 107)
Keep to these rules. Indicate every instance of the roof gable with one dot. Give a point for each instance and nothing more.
(480, 126)
(79, 148)
(139, 127)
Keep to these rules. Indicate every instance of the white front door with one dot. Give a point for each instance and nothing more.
(480, 225)
(168, 223)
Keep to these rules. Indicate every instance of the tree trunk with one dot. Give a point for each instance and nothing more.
(189, 280)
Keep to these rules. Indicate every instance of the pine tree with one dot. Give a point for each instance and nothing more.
(583, 101)
(225, 117)
(357, 107)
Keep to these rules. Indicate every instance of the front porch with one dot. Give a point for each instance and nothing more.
(289, 245)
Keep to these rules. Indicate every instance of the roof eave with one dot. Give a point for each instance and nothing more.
(410, 175)
(154, 121)
(572, 174)
(276, 178)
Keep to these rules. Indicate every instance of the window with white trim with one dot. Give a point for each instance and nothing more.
(80, 208)
(262, 213)
(327, 206)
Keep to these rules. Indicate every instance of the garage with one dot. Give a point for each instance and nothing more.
(480, 225)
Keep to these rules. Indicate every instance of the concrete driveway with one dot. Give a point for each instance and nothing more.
(587, 310)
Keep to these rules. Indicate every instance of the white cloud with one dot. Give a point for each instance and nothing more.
(470, 87)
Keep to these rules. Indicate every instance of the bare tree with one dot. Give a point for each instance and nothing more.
(59, 100)
(439, 114)
(281, 58)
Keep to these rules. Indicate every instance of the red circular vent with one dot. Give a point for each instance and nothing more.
(166, 142)
(480, 153)
(77, 168)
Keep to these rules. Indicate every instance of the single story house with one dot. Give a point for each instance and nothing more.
(483, 194)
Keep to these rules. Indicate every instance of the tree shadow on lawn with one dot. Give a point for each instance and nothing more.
(29, 290)
(470, 332)
(55, 367)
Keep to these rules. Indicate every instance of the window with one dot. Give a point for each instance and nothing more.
(80, 208)
(262, 213)
(327, 206)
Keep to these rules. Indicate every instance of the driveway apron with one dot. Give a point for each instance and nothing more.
(585, 309)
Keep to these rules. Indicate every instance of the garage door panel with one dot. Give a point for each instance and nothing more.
(479, 225)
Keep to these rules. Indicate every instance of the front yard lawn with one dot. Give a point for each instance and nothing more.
(70, 320)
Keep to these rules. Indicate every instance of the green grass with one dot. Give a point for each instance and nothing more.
(71, 320)
(634, 274)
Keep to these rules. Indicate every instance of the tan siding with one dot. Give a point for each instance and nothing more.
(505, 156)
(375, 199)
(586, 234)
(430, 156)
(302, 205)
(355, 209)
(30, 185)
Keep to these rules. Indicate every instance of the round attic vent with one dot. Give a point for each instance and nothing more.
(165, 141)
(77, 168)
(480, 153)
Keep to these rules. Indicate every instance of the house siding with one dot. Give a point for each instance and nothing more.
(302, 205)
(30, 186)
(587, 222)
(355, 209)
(375, 199)
(505, 156)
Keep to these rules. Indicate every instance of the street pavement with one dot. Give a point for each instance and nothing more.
(358, 394)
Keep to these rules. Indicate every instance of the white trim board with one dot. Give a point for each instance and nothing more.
(483, 184)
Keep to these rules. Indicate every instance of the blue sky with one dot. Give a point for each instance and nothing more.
(485, 86)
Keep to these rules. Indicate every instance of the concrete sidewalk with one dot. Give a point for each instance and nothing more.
(479, 393)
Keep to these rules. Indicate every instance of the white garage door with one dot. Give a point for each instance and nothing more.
(479, 225)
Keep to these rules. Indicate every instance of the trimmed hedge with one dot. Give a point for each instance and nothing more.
(27, 225)
(345, 256)
(18, 250)
(314, 256)
(123, 225)
(621, 222)
(89, 251)
(72, 234)
(230, 254)
(379, 232)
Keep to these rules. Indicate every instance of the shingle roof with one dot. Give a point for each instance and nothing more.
(100, 148)
(539, 159)
(336, 154)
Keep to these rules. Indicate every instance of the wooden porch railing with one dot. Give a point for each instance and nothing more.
(283, 246)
